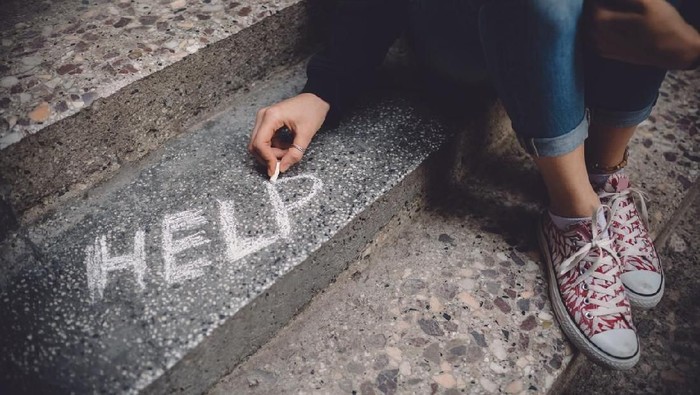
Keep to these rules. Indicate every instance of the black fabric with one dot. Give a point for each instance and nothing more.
(361, 33)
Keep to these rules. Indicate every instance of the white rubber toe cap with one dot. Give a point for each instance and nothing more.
(642, 282)
(619, 343)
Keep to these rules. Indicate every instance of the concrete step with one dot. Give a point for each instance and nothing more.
(165, 277)
(451, 298)
(88, 87)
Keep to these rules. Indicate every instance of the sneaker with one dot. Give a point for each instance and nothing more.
(642, 274)
(587, 294)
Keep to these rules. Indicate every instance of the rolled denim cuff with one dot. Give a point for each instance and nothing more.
(556, 146)
(621, 119)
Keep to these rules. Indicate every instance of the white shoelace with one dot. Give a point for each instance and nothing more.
(609, 287)
(620, 211)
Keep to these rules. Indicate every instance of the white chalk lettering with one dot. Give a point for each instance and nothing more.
(99, 263)
(184, 231)
(236, 246)
(281, 210)
(179, 222)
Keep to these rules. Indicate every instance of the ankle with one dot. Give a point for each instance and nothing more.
(599, 179)
(575, 206)
(607, 162)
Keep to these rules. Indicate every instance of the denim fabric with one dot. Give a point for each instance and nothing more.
(532, 52)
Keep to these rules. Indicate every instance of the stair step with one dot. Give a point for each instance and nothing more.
(451, 297)
(189, 263)
(142, 72)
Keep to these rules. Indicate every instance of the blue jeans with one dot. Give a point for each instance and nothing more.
(532, 51)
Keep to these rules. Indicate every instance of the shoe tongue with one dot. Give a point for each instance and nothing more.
(616, 183)
(583, 227)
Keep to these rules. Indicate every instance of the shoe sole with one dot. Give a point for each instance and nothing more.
(569, 327)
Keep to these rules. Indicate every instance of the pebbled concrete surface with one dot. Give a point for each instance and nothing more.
(451, 297)
(59, 56)
(70, 156)
(441, 303)
(215, 258)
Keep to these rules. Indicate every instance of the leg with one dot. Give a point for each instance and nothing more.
(562, 175)
(620, 96)
(538, 73)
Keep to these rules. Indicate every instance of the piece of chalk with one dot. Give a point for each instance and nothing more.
(277, 173)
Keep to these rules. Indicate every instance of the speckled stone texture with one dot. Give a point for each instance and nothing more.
(439, 304)
(61, 57)
(451, 298)
(202, 289)
(118, 126)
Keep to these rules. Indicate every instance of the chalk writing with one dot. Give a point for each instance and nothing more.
(99, 262)
(282, 211)
(236, 246)
(179, 222)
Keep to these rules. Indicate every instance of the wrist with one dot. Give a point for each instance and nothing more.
(317, 102)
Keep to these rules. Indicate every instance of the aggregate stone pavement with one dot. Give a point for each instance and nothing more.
(436, 304)
(61, 56)
(453, 299)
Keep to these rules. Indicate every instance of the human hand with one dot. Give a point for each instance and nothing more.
(303, 115)
(646, 32)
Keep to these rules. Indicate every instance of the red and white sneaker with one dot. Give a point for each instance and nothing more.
(586, 290)
(642, 274)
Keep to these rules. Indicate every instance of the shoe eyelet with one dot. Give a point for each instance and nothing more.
(580, 270)
(586, 301)
(588, 315)
(584, 286)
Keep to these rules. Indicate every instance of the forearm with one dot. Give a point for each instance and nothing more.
(362, 32)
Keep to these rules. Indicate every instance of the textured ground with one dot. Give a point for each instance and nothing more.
(59, 57)
(454, 299)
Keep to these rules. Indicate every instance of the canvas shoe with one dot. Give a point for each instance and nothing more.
(586, 290)
(642, 274)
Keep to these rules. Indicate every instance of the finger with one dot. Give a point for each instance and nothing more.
(279, 153)
(293, 155)
(605, 13)
(262, 144)
(258, 120)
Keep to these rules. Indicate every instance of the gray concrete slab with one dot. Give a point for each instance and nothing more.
(189, 262)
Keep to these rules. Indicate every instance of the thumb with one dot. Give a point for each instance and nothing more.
(263, 143)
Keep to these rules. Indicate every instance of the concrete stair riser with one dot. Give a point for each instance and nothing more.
(70, 156)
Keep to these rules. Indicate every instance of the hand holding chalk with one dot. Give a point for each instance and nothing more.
(273, 179)
(302, 115)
